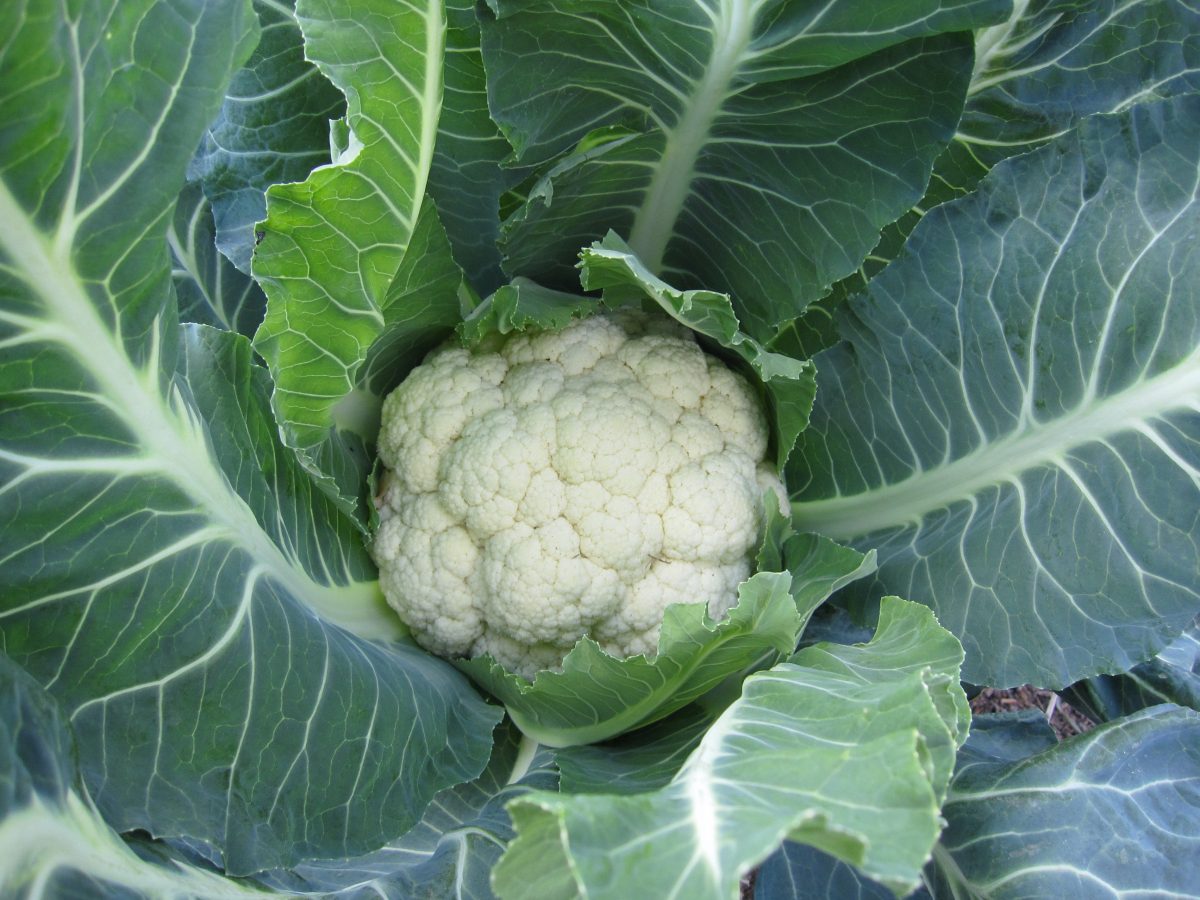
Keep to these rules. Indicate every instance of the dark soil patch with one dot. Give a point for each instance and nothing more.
(1064, 718)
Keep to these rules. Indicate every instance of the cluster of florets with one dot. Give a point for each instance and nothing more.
(557, 484)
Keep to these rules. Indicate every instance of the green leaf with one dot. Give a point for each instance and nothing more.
(1059, 823)
(651, 756)
(1056, 61)
(256, 142)
(1006, 738)
(467, 179)
(55, 838)
(1173, 676)
(422, 305)
(272, 128)
(644, 760)
(227, 585)
(520, 305)
(834, 748)
(35, 751)
(596, 696)
(211, 290)
(799, 872)
(1036, 818)
(820, 567)
(816, 330)
(764, 145)
(1036, 75)
(907, 644)
(1012, 421)
(55, 842)
(610, 265)
(332, 245)
(538, 862)
(451, 851)
(170, 573)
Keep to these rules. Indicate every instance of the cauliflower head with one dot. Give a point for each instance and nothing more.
(557, 484)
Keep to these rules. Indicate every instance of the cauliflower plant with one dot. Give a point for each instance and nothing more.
(557, 484)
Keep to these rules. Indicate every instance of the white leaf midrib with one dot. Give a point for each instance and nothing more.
(1036, 444)
(670, 185)
(998, 42)
(42, 839)
(173, 439)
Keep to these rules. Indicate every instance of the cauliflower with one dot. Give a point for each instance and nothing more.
(557, 484)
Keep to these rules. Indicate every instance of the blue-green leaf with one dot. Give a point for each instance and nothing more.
(55, 842)
(1036, 75)
(451, 851)
(754, 148)
(208, 620)
(1012, 423)
(1173, 676)
(1107, 813)
(467, 178)
(210, 288)
(272, 128)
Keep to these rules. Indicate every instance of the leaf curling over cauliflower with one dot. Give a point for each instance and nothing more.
(552, 485)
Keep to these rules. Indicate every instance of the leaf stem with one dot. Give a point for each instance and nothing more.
(525, 754)
(950, 870)
(670, 185)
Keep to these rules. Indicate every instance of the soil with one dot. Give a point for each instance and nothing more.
(1064, 718)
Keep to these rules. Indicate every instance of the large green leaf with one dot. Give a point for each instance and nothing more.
(467, 179)
(1013, 422)
(1062, 823)
(597, 696)
(750, 147)
(449, 854)
(57, 845)
(272, 128)
(651, 756)
(211, 290)
(1173, 676)
(1036, 75)
(339, 332)
(1055, 61)
(332, 245)
(55, 842)
(1028, 817)
(169, 571)
(846, 748)
(799, 872)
